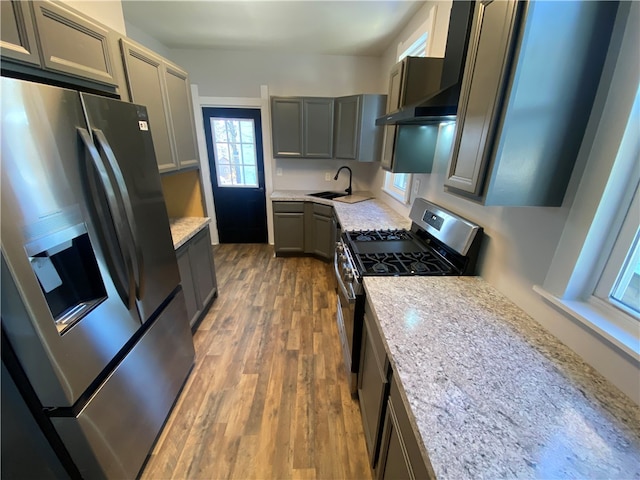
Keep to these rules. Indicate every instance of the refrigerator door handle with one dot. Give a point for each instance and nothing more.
(126, 292)
(103, 144)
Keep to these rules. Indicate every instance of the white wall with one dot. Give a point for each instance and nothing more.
(148, 41)
(225, 73)
(107, 12)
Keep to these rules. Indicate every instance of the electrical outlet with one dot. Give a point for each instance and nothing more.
(327, 176)
(279, 172)
(416, 186)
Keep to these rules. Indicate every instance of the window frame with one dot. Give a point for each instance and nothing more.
(626, 241)
(577, 287)
(390, 188)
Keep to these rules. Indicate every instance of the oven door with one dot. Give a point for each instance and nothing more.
(346, 313)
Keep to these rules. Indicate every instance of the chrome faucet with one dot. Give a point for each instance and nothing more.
(348, 190)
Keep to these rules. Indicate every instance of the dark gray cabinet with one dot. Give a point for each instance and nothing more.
(52, 41)
(320, 230)
(408, 148)
(302, 127)
(197, 274)
(73, 44)
(18, 39)
(400, 455)
(304, 228)
(288, 227)
(526, 97)
(181, 115)
(372, 385)
(164, 89)
(286, 125)
(356, 136)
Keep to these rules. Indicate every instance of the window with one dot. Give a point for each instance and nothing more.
(235, 152)
(397, 184)
(600, 288)
(416, 49)
(619, 284)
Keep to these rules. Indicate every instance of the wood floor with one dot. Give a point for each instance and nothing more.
(268, 397)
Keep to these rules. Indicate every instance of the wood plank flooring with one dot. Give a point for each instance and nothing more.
(268, 397)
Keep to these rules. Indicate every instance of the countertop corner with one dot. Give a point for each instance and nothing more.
(184, 229)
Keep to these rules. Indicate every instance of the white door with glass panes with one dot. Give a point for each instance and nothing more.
(234, 149)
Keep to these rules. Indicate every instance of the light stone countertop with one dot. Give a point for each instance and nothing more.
(184, 229)
(366, 215)
(491, 393)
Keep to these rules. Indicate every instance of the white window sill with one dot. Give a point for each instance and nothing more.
(601, 318)
(396, 196)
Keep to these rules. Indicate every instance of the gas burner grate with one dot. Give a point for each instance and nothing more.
(378, 235)
(411, 263)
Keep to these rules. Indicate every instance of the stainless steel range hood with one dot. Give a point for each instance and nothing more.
(442, 103)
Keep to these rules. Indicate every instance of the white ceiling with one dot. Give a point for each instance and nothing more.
(305, 26)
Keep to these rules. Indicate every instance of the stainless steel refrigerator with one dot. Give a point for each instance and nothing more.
(94, 325)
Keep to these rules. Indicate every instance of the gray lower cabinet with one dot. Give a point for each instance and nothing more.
(52, 41)
(302, 127)
(304, 228)
(320, 230)
(372, 385)
(356, 136)
(522, 112)
(164, 89)
(400, 456)
(288, 227)
(197, 274)
(394, 451)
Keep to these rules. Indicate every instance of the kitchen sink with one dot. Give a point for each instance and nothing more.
(327, 195)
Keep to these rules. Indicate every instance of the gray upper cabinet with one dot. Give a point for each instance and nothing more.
(527, 94)
(143, 70)
(73, 44)
(302, 127)
(408, 148)
(17, 33)
(53, 42)
(393, 103)
(486, 74)
(164, 89)
(356, 135)
(317, 124)
(182, 121)
(286, 123)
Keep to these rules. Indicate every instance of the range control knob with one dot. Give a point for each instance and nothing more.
(349, 277)
(339, 247)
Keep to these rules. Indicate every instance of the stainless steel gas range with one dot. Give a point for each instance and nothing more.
(438, 243)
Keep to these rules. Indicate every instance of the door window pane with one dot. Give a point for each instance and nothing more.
(235, 152)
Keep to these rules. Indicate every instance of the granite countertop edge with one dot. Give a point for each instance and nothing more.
(464, 425)
(368, 214)
(184, 229)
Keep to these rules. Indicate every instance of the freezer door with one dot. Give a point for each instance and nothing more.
(122, 135)
(68, 304)
(112, 435)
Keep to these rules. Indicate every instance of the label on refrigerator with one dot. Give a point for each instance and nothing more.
(46, 273)
(143, 125)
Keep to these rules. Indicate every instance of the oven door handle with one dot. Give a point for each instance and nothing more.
(351, 298)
